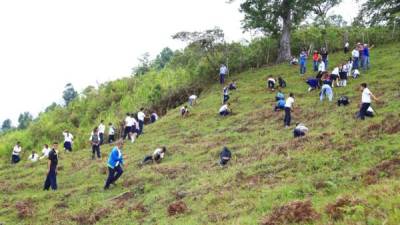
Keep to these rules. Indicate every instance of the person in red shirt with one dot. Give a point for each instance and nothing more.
(315, 60)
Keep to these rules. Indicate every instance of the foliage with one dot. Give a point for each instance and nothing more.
(69, 93)
(163, 58)
(24, 120)
(144, 65)
(7, 125)
(377, 12)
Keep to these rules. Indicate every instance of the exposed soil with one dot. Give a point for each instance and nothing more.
(337, 210)
(176, 208)
(387, 168)
(25, 208)
(293, 212)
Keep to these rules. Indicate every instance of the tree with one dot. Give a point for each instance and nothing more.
(380, 11)
(279, 18)
(24, 120)
(50, 107)
(163, 58)
(69, 93)
(144, 65)
(7, 124)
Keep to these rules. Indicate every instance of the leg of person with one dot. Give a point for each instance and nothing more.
(101, 135)
(363, 110)
(93, 151)
(141, 124)
(110, 177)
(98, 151)
(119, 172)
(47, 182)
(287, 116)
(322, 94)
(367, 62)
(330, 95)
(222, 78)
(53, 180)
(147, 159)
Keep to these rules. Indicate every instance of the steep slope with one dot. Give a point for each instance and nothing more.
(348, 169)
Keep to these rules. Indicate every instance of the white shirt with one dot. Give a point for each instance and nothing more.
(366, 96)
(158, 151)
(111, 130)
(102, 128)
(271, 79)
(134, 122)
(17, 149)
(335, 71)
(141, 116)
(370, 109)
(346, 45)
(119, 156)
(356, 72)
(223, 70)
(155, 116)
(183, 109)
(129, 122)
(223, 108)
(355, 53)
(68, 137)
(289, 102)
(33, 157)
(193, 97)
(321, 67)
(302, 128)
(46, 152)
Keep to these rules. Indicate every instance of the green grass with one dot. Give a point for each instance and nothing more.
(269, 168)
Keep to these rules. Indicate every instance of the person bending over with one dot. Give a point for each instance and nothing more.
(157, 156)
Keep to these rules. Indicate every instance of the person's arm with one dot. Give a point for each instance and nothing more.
(48, 166)
(373, 96)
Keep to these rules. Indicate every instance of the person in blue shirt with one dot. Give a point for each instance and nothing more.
(312, 83)
(115, 160)
(303, 62)
(280, 105)
(365, 57)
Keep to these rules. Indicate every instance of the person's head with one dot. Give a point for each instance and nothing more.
(132, 115)
(33, 152)
(185, 106)
(101, 121)
(141, 109)
(128, 114)
(363, 86)
(365, 45)
(55, 145)
(110, 124)
(18, 143)
(291, 95)
(164, 149)
(119, 143)
(95, 130)
(46, 145)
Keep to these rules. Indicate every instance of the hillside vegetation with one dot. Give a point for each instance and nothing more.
(344, 172)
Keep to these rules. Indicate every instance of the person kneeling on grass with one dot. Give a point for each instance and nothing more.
(232, 85)
(326, 91)
(15, 158)
(280, 105)
(33, 157)
(157, 156)
(225, 156)
(153, 117)
(279, 96)
(224, 110)
(114, 164)
(365, 100)
(312, 83)
(184, 111)
(192, 100)
(300, 130)
(271, 83)
(282, 82)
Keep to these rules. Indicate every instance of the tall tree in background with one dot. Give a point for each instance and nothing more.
(24, 120)
(69, 93)
(6, 125)
(279, 18)
(375, 12)
(163, 58)
(144, 65)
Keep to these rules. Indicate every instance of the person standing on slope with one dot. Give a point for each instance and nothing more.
(141, 116)
(51, 178)
(114, 164)
(95, 142)
(15, 158)
(128, 125)
(68, 141)
(303, 62)
(223, 71)
(365, 100)
(102, 129)
(288, 109)
(111, 133)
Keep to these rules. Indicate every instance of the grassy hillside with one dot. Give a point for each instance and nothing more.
(344, 172)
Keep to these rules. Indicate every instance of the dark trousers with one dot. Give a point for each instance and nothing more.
(363, 110)
(298, 133)
(147, 159)
(96, 149)
(51, 180)
(221, 78)
(141, 124)
(15, 159)
(223, 162)
(101, 136)
(126, 132)
(113, 175)
(226, 98)
(271, 84)
(111, 138)
(224, 113)
(355, 63)
(288, 116)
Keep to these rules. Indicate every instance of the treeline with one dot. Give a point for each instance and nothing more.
(166, 82)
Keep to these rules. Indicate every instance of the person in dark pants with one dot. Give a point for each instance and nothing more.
(15, 158)
(141, 116)
(157, 156)
(365, 100)
(115, 162)
(111, 133)
(225, 156)
(101, 130)
(225, 94)
(223, 70)
(300, 130)
(95, 142)
(51, 179)
(288, 109)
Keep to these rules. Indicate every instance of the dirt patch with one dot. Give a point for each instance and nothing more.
(139, 207)
(293, 144)
(25, 208)
(293, 212)
(121, 199)
(171, 172)
(103, 170)
(92, 217)
(387, 168)
(176, 208)
(389, 125)
(342, 206)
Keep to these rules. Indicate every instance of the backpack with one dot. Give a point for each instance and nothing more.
(343, 100)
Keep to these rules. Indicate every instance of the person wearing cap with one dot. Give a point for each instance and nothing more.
(15, 158)
(224, 156)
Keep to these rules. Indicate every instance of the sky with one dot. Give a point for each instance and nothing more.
(45, 44)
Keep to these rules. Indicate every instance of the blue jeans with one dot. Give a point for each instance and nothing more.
(326, 91)
(113, 175)
(365, 62)
(355, 63)
(51, 180)
(221, 78)
(15, 159)
(315, 66)
(302, 68)
(326, 64)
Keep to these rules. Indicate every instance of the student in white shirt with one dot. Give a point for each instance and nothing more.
(68, 140)
(192, 100)
(153, 117)
(141, 116)
(102, 129)
(356, 73)
(15, 158)
(365, 100)
(346, 47)
(288, 109)
(225, 94)
(335, 76)
(356, 57)
(157, 156)
(271, 83)
(184, 111)
(300, 130)
(135, 128)
(223, 71)
(46, 150)
(128, 124)
(111, 133)
(224, 110)
(33, 157)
